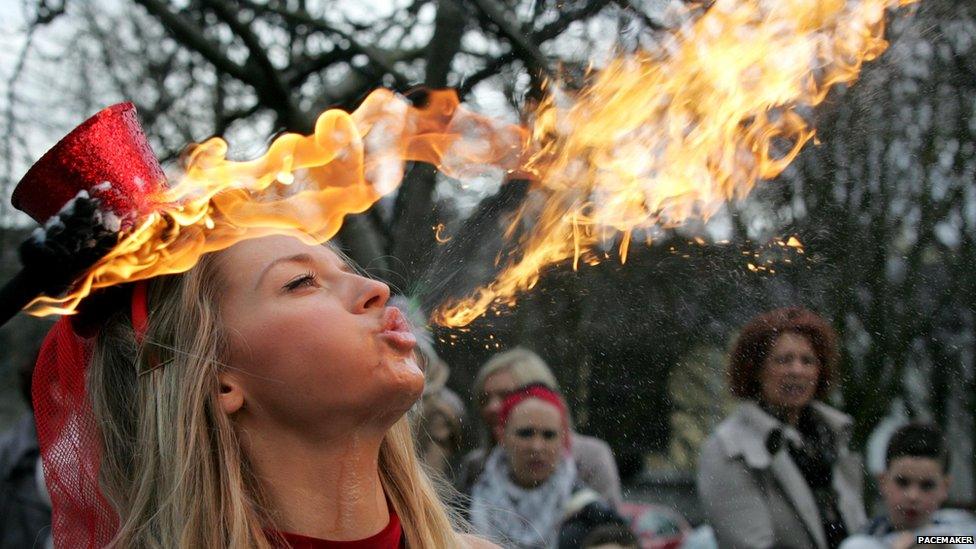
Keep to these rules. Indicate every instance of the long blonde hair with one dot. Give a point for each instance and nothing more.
(172, 464)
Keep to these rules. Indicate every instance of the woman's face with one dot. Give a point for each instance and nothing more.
(495, 389)
(311, 342)
(533, 441)
(790, 373)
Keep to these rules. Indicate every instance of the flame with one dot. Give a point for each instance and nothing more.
(656, 139)
(651, 140)
(303, 185)
(439, 234)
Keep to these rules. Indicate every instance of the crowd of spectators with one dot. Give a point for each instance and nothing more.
(778, 472)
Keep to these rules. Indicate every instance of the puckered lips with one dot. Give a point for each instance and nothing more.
(396, 331)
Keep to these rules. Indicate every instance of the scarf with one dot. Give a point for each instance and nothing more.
(528, 518)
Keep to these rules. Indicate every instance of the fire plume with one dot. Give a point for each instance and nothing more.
(652, 139)
(657, 138)
(303, 185)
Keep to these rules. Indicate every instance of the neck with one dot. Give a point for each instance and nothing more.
(527, 484)
(790, 416)
(327, 489)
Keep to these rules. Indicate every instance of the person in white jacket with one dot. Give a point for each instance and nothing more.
(777, 471)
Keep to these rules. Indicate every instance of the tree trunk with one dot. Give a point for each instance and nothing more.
(413, 240)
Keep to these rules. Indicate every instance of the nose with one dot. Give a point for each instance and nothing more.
(797, 366)
(538, 444)
(913, 493)
(372, 295)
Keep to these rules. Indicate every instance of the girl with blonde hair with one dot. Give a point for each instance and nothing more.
(256, 400)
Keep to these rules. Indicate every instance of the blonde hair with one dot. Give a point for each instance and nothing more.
(172, 465)
(524, 365)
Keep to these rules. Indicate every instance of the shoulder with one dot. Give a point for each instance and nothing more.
(470, 468)
(474, 456)
(17, 443)
(470, 541)
(835, 419)
(589, 443)
(862, 541)
(587, 447)
(713, 446)
(725, 439)
(715, 461)
(743, 435)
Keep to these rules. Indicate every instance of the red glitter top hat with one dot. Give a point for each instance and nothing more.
(107, 155)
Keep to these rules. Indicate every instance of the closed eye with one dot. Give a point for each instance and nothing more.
(301, 281)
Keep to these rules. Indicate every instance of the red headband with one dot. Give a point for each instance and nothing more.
(542, 393)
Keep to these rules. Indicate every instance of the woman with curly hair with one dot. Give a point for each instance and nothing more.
(777, 471)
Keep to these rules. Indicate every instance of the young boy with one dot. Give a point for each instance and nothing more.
(914, 485)
(915, 482)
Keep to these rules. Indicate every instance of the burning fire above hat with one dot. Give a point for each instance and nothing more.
(652, 139)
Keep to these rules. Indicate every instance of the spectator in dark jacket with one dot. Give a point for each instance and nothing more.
(25, 510)
(610, 535)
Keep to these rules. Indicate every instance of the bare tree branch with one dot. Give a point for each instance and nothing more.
(192, 37)
(270, 84)
(540, 36)
(301, 17)
(522, 45)
(629, 7)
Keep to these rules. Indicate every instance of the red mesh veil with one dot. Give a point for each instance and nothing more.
(69, 441)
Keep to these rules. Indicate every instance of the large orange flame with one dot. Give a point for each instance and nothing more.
(653, 139)
(658, 138)
(303, 185)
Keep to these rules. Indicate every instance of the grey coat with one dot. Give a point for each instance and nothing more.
(756, 500)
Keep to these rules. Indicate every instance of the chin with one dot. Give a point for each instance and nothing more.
(406, 384)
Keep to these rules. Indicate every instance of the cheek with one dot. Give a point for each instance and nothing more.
(518, 449)
(768, 386)
(934, 498)
(554, 449)
(298, 347)
(897, 496)
(890, 493)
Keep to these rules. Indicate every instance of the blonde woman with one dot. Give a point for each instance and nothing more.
(290, 379)
(257, 400)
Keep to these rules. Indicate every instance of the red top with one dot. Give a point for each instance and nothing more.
(390, 537)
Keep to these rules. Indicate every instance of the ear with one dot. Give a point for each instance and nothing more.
(946, 483)
(882, 479)
(499, 432)
(231, 393)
